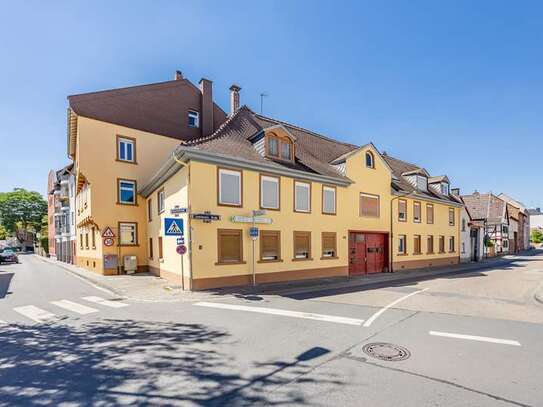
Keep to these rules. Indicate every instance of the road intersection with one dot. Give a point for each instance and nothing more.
(472, 339)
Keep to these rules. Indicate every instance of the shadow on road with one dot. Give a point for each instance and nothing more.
(112, 362)
(5, 281)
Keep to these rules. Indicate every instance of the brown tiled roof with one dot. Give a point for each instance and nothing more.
(159, 108)
(399, 183)
(485, 206)
(313, 151)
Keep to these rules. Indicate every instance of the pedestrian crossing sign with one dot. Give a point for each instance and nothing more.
(108, 232)
(173, 227)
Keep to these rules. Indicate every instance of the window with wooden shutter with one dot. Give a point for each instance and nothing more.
(160, 249)
(329, 242)
(150, 210)
(430, 244)
(302, 246)
(150, 247)
(230, 246)
(270, 245)
(369, 205)
(416, 212)
(451, 216)
(402, 210)
(429, 213)
(441, 244)
(452, 248)
(416, 244)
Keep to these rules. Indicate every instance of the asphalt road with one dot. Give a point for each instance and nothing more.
(470, 340)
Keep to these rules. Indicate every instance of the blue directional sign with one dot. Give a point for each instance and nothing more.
(173, 227)
(253, 232)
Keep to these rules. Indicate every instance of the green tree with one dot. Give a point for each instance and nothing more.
(22, 209)
(537, 236)
(3, 233)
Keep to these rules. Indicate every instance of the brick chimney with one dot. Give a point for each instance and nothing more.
(178, 75)
(455, 191)
(206, 111)
(234, 98)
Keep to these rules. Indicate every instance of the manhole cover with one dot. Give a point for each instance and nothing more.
(386, 351)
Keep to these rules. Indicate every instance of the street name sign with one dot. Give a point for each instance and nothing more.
(250, 219)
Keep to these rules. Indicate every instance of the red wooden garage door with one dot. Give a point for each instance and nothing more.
(367, 253)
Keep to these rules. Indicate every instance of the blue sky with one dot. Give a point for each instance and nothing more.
(454, 86)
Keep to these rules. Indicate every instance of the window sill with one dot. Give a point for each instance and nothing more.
(129, 245)
(416, 221)
(402, 220)
(127, 204)
(229, 263)
(270, 209)
(441, 253)
(308, 259)
(329, 213)
(230, 205)
(126, 161)
(417, 254)
(270, 261)
(305, 212)
(330, 258)
(402, 254)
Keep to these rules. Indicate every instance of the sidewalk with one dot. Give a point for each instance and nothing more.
(299, 288)
(143, 287)
(146, 287)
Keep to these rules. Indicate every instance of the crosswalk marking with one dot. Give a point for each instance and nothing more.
(34, 313)
(103, 301)
(286, 313)
(74, 307)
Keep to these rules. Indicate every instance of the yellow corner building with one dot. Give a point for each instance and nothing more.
(256, 199)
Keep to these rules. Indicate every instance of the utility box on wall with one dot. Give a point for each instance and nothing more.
(110, 261)
(130, 264)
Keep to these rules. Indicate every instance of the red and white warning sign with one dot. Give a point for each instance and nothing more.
(108, 232)
(108, 241)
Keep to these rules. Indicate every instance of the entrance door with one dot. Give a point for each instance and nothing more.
(357, 254)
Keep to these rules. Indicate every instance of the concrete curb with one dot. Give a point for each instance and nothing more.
(82, 276)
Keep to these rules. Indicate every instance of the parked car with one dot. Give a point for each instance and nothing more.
(8, 256)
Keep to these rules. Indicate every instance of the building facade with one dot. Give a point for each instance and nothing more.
(61, 215)
(256, 199)
(118, 139)
(522, 217)
(491, 213)
(331, 209)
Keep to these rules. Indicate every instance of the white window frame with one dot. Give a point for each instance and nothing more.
(333, 190)
(446, 186)
(121, 188)
(402, 241)
(424, 186)
(307, 187)
(237, 174)
(122, 140)
(196, 115)
(278, 194)
(134, 227)
(160, 201)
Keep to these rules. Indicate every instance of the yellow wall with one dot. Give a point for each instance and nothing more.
(96, 159)
(203, 196)
(176, 193)
(410, 229)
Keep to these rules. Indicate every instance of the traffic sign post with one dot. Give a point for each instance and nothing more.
(181, 250)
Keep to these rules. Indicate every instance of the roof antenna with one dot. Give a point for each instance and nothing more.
(262, 96)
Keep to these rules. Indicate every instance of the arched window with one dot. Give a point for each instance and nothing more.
(369, 160)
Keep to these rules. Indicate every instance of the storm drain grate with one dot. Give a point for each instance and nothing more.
(386, 351)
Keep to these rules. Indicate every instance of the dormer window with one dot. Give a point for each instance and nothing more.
(444, 188)
(370, 162)
(421, 182)
(279, 147)
(193, 119)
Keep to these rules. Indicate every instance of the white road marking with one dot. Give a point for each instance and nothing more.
(34, 313)
(74, 307)
(107, 303)
(393, 303)
(476, 338)
(3, 322)
(285, 313)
